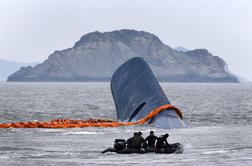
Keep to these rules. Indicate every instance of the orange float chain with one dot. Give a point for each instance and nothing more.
(67, 123)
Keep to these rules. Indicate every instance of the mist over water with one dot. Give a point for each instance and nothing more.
(218, 120)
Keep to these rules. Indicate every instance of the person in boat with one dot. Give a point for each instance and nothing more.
(136, 142)
(143, 142)
(129, 141)
(162, 141)
(151, 140)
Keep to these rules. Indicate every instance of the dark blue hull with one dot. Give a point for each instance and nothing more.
(136, 93)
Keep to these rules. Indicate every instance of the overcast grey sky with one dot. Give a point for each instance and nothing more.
(30, 30)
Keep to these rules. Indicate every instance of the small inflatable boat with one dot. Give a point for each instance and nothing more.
(120, 148)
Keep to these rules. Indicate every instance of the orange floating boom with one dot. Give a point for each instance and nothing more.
(68, 123)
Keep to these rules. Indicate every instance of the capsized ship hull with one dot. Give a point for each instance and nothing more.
(136, 92)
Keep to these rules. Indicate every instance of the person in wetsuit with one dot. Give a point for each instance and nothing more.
(129, 141)
(151, 140)
(143, 142)
(136, 142)
(162, 141)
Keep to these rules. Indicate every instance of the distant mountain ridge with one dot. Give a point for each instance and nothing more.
(8, 67)
(97, 55)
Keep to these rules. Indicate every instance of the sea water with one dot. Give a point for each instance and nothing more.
(218, 119)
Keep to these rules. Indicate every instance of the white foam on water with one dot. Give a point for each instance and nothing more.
(40, 154)
(188, 146)
(81, 133)
(215, 152)
(52, 130)
(4, 157)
